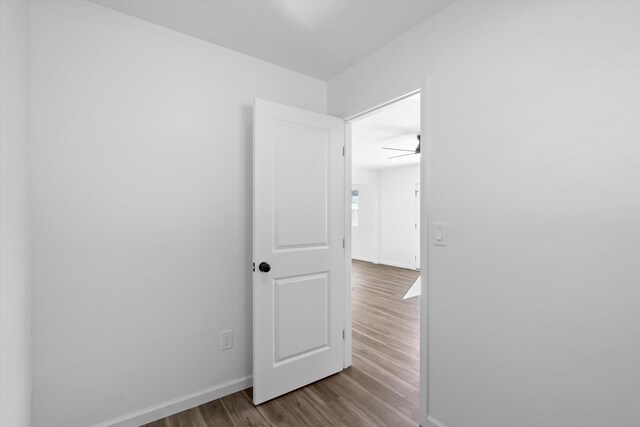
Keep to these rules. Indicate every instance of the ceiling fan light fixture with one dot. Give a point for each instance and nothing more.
(410, 152)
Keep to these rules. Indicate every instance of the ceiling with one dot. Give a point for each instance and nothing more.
(319, 38)
(395, 126)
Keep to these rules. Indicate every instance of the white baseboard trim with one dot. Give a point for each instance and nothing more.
(390, 263)
(432, 422)
(365, 259)
(396, 264)
(179, 404)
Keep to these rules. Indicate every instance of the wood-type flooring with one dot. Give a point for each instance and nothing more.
(381, 388)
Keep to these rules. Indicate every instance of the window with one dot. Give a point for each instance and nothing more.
(354, 208)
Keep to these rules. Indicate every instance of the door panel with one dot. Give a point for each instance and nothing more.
(301, 160)
(298, 305)
(301, 316)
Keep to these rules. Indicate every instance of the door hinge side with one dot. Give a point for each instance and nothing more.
(343, 334)
(343, 243)
(343, 151)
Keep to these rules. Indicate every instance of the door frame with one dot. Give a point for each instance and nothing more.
(423, 88)
(416, 235)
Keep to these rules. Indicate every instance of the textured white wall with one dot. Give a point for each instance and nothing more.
(15, 297)
(141, 196)
(535, 166)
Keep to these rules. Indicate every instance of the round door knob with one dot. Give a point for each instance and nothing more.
(264, 267)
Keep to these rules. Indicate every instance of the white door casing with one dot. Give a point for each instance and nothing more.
(417, 227)
(298, 229)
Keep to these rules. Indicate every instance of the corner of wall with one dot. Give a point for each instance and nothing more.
(15, 268)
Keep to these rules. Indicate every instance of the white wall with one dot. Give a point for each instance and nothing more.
(15, 296)
(141, 178)
(365, 237)
(398, 215)
(535, 166)
(386, 233)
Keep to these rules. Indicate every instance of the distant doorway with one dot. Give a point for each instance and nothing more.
(385, 176)
(385, 245)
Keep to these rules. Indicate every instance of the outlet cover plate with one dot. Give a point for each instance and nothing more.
(226, 340)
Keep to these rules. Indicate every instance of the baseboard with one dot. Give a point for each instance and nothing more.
(365, 259)
(179, 404)
(390, 263)
(432, 422)
(396, 264)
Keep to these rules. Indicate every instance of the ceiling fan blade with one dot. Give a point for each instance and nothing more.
(401, 155)
(397, 149)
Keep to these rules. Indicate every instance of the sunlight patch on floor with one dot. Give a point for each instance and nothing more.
(414, 290)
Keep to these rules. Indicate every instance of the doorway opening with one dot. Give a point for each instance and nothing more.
(385, 248)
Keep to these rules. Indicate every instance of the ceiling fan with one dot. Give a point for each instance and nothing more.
(409, 152)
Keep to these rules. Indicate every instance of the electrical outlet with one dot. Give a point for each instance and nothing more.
(226, 340)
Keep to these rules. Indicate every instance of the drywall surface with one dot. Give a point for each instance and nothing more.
(141, 194)
(398, 215)
(386, 230)
(534, 165)
(15, 294)
(365, 176)
(365, 236)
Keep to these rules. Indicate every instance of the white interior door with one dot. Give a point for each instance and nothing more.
(298, 253)
(417, 226)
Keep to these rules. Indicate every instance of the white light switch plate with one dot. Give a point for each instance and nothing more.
(440, 234)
